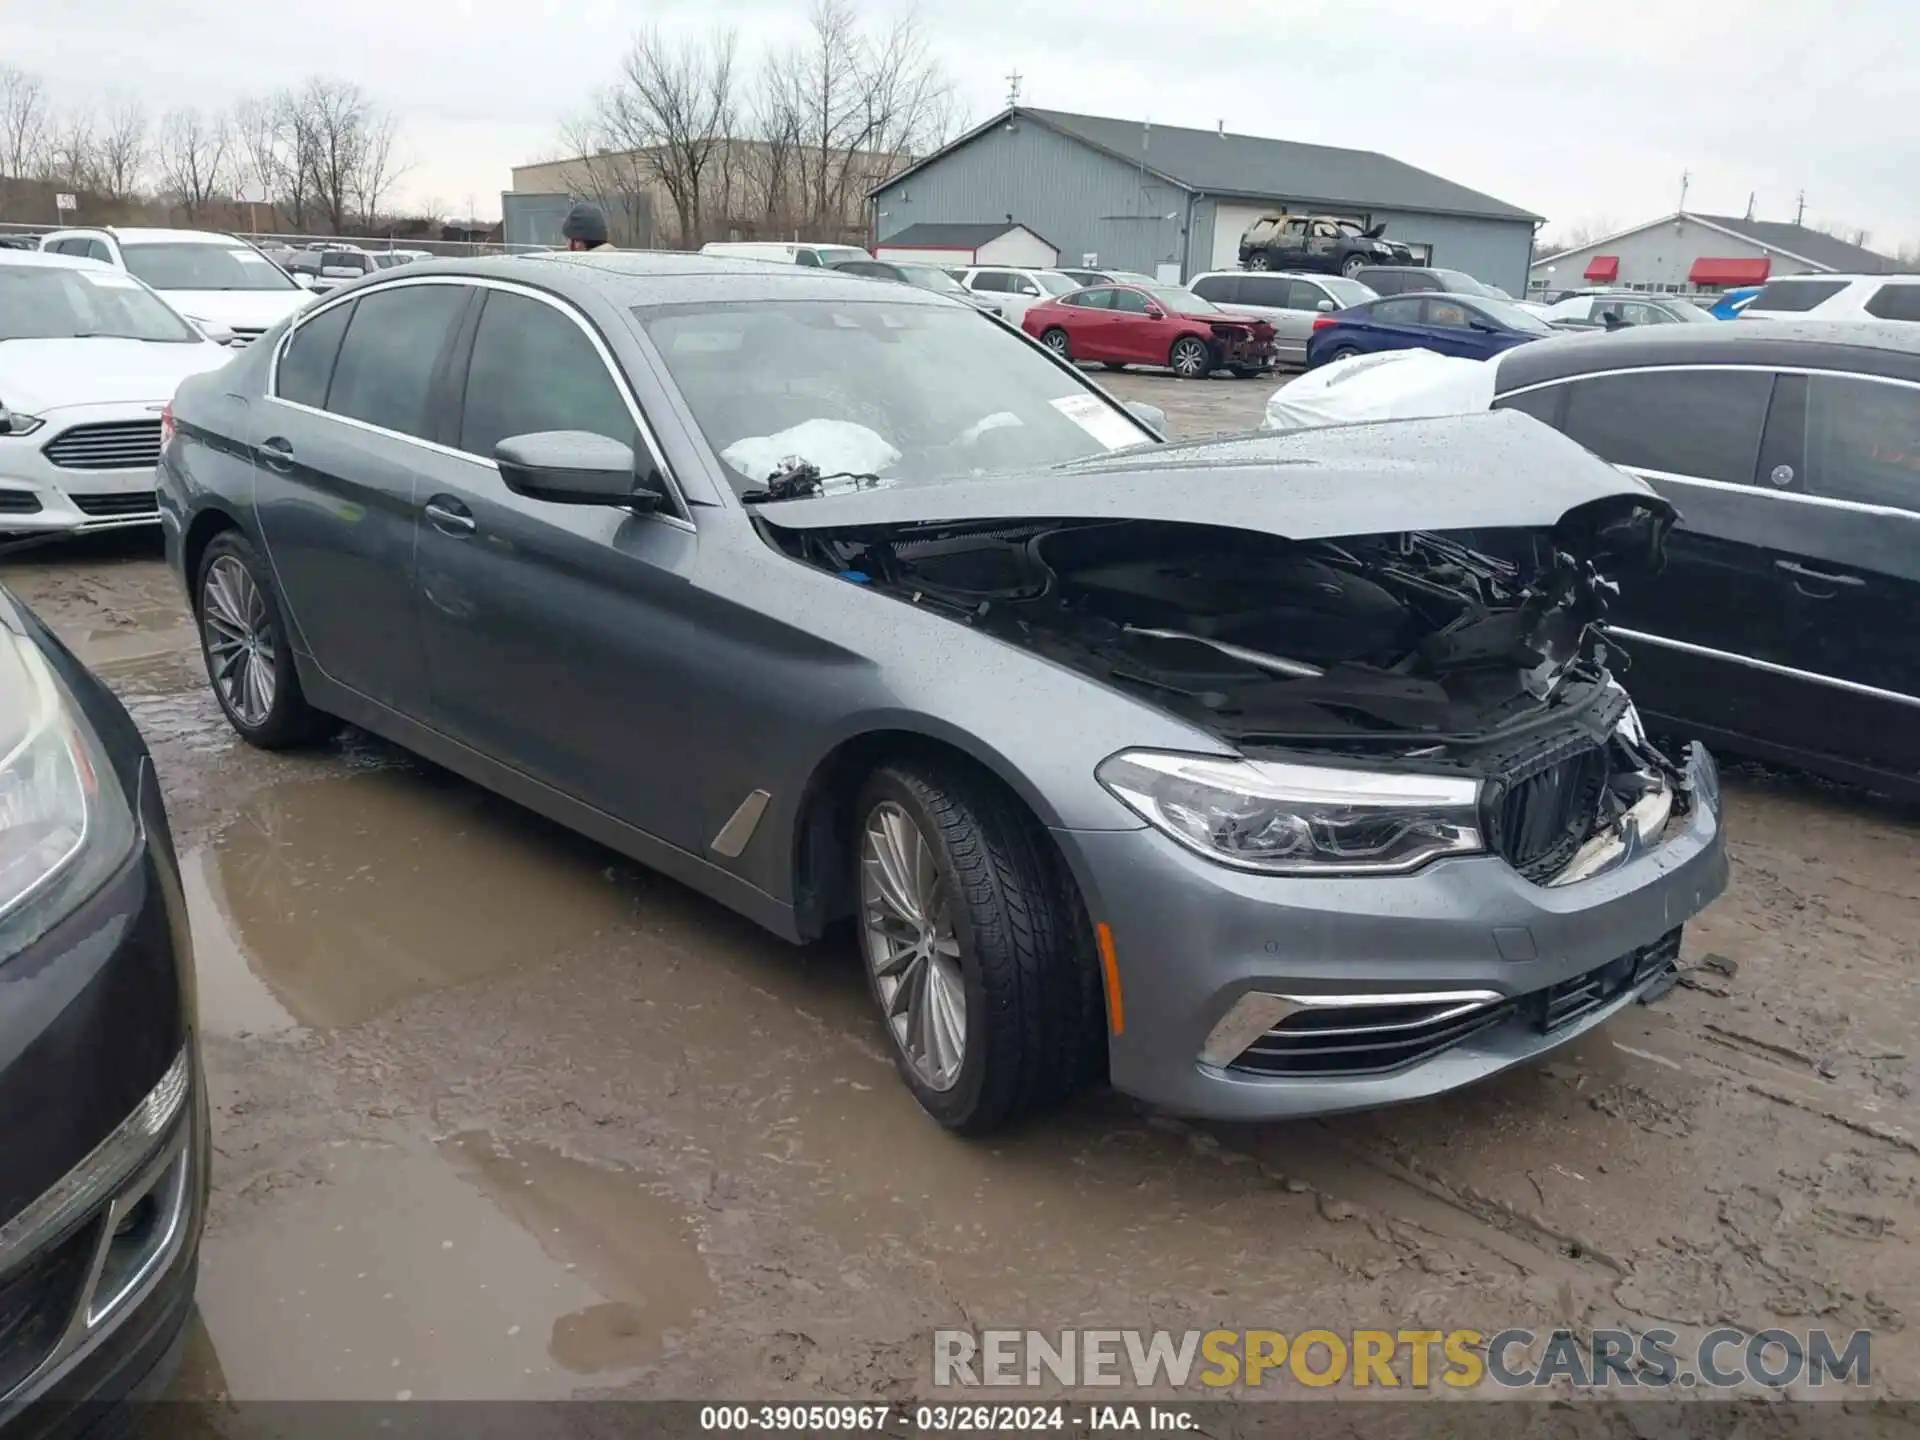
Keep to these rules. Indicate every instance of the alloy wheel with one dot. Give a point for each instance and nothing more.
(1258, 262)
(239, 640)
(1189, 359)
(1056, 341)
(1355, 264)
(912, 947)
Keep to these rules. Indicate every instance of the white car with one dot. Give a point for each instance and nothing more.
(1012, 291)
(89, 358)
(217, 281)
(784, 252)
(1837, 297)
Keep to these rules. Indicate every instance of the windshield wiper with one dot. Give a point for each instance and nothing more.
(798, 479)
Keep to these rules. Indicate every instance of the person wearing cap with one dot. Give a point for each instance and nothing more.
(585, 228)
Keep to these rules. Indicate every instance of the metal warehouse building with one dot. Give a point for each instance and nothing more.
(1689, 251)
(1171, 201)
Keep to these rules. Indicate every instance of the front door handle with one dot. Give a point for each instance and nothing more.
(1819, 577)
(276, 453)
(450, 517)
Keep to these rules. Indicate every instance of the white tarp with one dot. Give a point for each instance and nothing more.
(1392, 385)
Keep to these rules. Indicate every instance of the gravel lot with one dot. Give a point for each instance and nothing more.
(499, 1113)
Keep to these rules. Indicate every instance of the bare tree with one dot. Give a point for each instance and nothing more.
(72, 160)
(330, 130)
(1842, 230)
(122, 151)
(618, 181)
(192, 156)
(379, 169)
(24, 123)
(673, 104)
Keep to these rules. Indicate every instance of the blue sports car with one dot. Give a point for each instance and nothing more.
(1471, 326)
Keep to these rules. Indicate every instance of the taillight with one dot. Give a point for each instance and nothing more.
(1321, 322)
(166, 424)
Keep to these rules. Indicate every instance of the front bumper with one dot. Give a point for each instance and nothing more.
(94, 490)
(1192, 939)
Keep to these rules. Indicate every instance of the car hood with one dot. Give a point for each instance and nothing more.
(40, 375)
(1501, 470)
(237, 309)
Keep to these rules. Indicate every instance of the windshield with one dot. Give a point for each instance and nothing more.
(834, 254)
(1458, 282)
(1514, 318)
(1346, 292)
(46, 302)
(899, 391)
(931, 277)
(1351, 227)
(1055, 284)
(1181, 301)
(185, 265)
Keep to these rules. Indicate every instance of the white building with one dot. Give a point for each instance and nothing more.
(1688, 252)
(986, 244)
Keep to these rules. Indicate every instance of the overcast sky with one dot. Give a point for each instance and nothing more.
(1586, 111)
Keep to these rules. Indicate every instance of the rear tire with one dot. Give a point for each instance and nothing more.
(997, 923)
(1113, 364)
(1353, 265)
(243, 639)
(1190, 358)
(1055, 339)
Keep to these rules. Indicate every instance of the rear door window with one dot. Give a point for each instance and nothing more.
(534, 369)
(990, 282)
(1402, 310)
(306, 365)
(1863, 441)
(1700, 423)
(387, 360)
(1793, 296)
(1224, 288)
(1895, 302)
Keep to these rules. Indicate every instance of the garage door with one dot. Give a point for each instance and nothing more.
(1230, 222)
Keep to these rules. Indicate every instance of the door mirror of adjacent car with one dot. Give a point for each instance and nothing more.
(1154, 312)
(302, 279)
(1325, 307)
(216, 332)
(1151, 416)
(574, 467)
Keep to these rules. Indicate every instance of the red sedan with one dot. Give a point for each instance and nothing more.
(1123, 325)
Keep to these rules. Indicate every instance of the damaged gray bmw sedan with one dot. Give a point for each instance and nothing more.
(1266, 777)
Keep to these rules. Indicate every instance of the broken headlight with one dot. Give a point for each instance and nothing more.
(65, 826)
(1285, 819)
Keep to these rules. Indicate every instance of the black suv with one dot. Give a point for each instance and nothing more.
(1322, 244)
(103, 1131)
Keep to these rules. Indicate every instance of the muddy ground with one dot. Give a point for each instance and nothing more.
(499, 1113)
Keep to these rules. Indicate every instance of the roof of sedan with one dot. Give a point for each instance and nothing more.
(666, 277)
(1887, 347)
(51, 259)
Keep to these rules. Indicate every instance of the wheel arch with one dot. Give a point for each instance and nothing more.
(821, 835)
(210, 521)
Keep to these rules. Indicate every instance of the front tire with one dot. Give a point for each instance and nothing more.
(1190, 358)
(244, 642)
(971, 948)
(1259, 261)
(1055, 339)
(1353, 265)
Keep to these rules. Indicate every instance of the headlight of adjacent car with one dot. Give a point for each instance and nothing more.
(1283, 819)
(12, 422)
(65, 825)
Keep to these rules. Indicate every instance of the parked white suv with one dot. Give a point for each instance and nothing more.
(219, 282)
(1837, 297)
(1011, 290)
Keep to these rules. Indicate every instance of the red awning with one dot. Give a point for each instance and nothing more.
(1604, 268)
(1710, 271)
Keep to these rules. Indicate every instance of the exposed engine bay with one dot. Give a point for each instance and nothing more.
(1419, 650)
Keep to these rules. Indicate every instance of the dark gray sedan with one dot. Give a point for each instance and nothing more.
(1267, 777)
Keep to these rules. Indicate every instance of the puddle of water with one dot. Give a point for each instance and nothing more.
(327, 903)
(470, 1271)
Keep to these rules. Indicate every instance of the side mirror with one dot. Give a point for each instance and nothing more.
(1151, 416)
(572, 467)
(216, 332)
(1154, 312)
(302, 279)
(1325, 307)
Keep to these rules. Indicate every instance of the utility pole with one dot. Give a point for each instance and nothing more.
(1800, 208)
(1750, 195)
(1686, 178)
(1013, 89)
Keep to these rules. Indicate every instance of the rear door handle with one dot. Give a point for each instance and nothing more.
(1819, 577)
(276, 453)
(450, 517)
